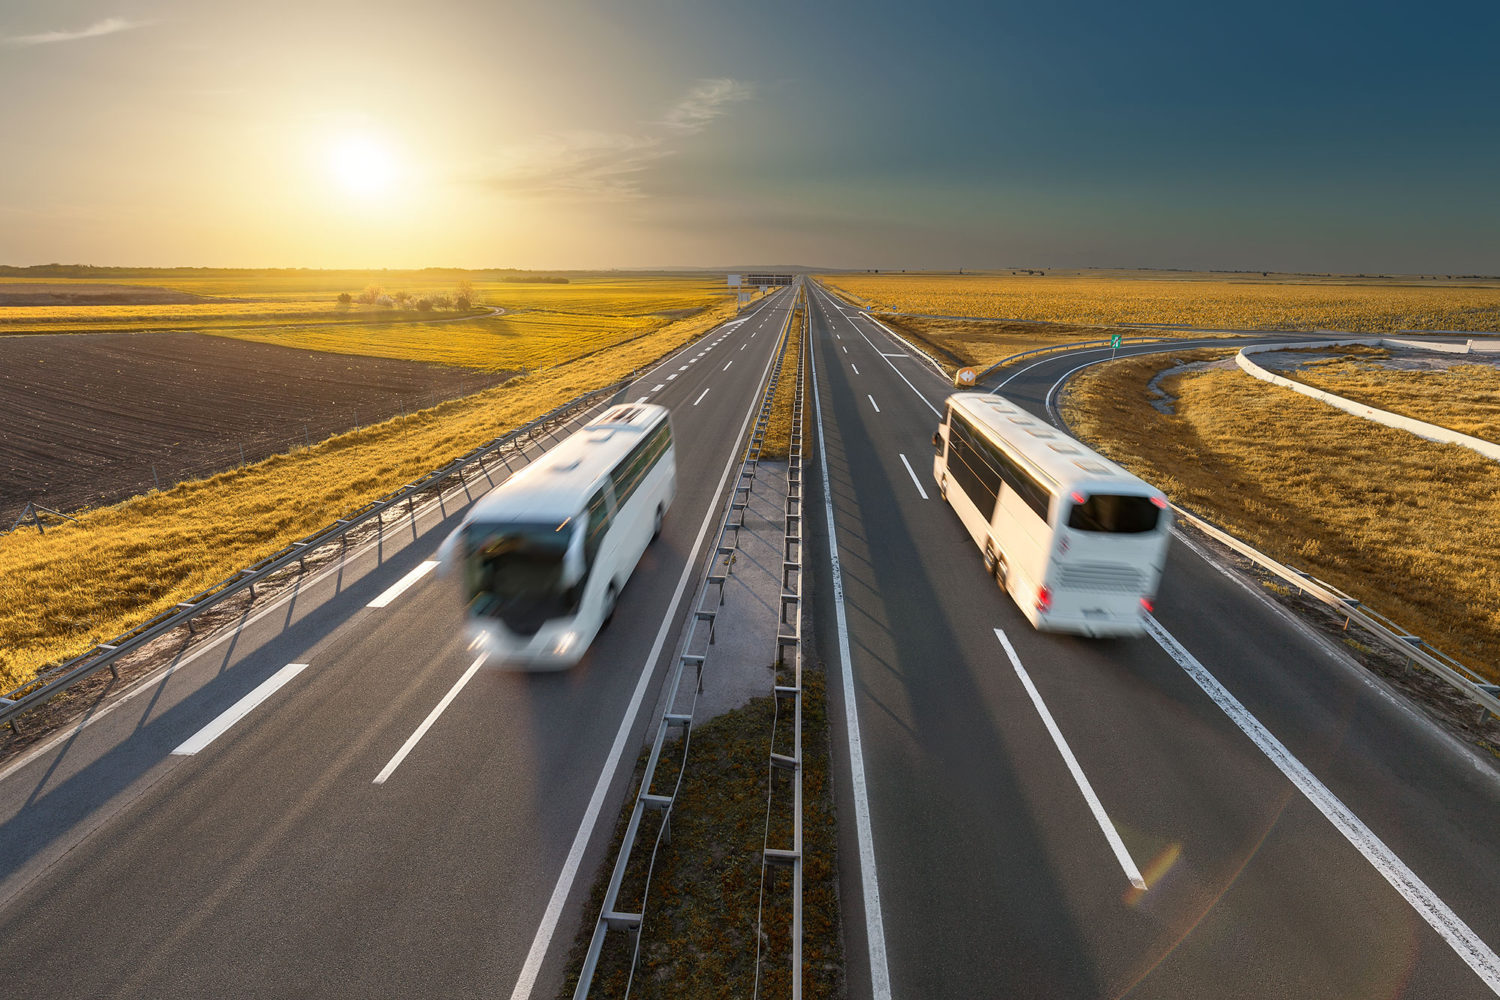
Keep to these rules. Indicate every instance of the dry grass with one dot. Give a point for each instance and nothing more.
(699, 935)
(513, 342)
(778, 440)
(118, 566)
(1464, 398)
(1212, 302)
(1409, 526)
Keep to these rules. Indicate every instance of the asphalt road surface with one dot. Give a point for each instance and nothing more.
(1303, 831)
(270, 862)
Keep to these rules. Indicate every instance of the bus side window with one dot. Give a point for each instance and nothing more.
(597, 527)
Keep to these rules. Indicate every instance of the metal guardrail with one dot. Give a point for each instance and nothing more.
(696, 645)
(106, 655)
(788, 689)
(1385, 631)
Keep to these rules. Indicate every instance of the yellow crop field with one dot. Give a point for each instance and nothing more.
(1464, 398)
(120, 565)
(513, 342)
(1369, 305)
(1409, 526)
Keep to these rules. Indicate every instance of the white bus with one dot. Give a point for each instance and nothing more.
(1077, 541)
(543, 557)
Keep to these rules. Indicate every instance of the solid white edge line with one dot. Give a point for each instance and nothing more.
(705, 392)
(416, 736)
(396, 589)
(1450, 927)
(872, 402)
(234, 713)
(532, 967)
(915, 481)
(880, 975)
(1095, 806)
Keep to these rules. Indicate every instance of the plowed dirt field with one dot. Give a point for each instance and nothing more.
(90, 419)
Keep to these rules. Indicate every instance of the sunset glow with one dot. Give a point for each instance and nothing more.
(362, 166)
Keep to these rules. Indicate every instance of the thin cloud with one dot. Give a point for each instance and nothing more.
(708, 100)
(611, 166)
(600, 165)
(108, 26)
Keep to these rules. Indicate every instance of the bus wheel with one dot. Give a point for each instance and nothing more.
(656, 531)
(611, 597)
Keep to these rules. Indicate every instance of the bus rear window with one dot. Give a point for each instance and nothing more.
(1116, 514)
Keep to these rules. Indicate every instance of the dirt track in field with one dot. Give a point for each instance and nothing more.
(85, 417)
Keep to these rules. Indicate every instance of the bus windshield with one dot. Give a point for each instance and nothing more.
(519, 573)
(1114, 513)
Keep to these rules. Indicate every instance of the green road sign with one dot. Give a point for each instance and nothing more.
(1114, 340)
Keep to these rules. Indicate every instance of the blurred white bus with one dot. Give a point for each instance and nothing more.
(1075, 539)
(543, 557)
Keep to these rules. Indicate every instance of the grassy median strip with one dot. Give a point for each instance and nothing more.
(978, 344)
(87, 581)
(778, 440)
(1409, 526)
(699, 938)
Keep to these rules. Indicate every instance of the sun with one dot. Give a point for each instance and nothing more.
(362, 165)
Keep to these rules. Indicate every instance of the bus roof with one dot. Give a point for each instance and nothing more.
(560, 483)
(1067, 462)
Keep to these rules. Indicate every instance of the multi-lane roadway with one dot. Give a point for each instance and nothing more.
(331, 799)
(384, 820)
(1302, 831)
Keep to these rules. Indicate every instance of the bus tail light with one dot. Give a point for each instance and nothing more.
(1043, 599)
(1148, 604)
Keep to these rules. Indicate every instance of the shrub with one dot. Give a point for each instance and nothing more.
(345, 298)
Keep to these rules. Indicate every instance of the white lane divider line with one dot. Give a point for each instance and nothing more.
(880, 974)
(1450, 927)
(644, 398)
(844, 349)
(234, 713)
(1095, 806)
(915, 481)
(872, 402)
(705, 392)
(565, 879)
(415, 738)
(400, 587)
(684, 367)
(898, 371)
(671, 376)
(855, 367)
(743, 346)
(726, 367)
(659, 388)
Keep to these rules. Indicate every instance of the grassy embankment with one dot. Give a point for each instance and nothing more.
(120, 565)
(1034, 311)
(1409, 526)
(1464, 398)
(699, 935)
(778, 440)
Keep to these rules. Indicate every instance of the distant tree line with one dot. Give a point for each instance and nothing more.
(463, 298)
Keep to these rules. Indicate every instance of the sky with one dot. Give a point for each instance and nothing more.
(1359, 137)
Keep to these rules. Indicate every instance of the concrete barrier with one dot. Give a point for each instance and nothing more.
(1422, 429)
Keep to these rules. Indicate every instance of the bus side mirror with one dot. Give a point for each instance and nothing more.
(937, 440)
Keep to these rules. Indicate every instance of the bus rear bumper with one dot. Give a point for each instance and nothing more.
(1092, 627)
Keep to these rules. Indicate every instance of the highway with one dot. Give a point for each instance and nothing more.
(1303, 831)
(382, 819)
